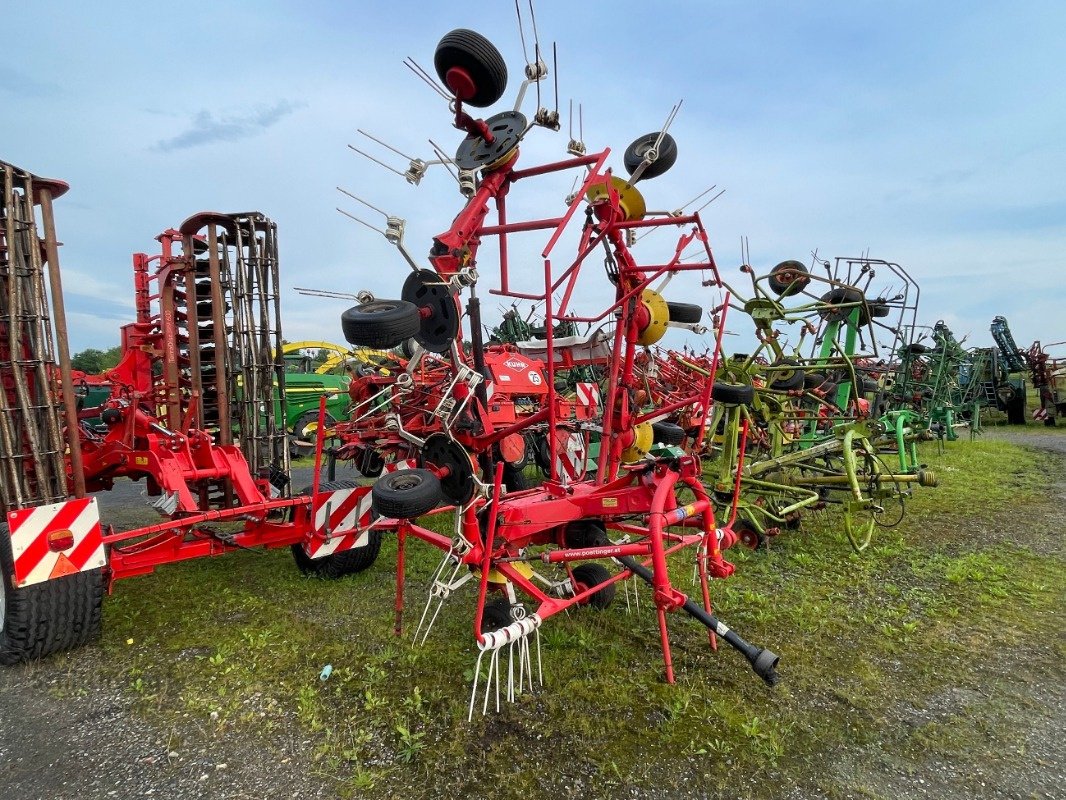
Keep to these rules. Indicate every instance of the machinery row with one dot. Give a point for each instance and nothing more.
(549, 458)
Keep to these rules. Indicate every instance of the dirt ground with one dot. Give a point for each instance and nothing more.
(64, 735)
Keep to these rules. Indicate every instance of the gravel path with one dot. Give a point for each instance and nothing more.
(1021, 704)
(66, 734)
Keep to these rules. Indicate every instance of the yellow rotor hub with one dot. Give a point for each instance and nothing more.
(630, 200)
(659, 314)
(643, 439)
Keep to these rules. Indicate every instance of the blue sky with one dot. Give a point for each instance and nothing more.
(926, 134)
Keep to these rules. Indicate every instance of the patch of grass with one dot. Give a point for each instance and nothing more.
(241, 643)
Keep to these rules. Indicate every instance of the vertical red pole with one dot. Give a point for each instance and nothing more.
(320, 436)
(549, 330)
(401, 540)
(664, 637)
(486, 561)
(501, 213)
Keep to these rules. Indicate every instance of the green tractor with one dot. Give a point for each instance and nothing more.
(303, 388)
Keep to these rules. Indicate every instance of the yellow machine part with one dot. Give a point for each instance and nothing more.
(520, 567)
(660, 315)
(643, 438)
(339, 354)
(630, 200)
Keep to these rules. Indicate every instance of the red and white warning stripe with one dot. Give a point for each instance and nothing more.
(57, 539)
(588, 394)
(340, 521)
(571, 454)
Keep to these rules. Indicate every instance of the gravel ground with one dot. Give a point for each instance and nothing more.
(1022, 703)
(57, 742)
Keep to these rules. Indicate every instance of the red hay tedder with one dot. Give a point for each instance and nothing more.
(546, 546)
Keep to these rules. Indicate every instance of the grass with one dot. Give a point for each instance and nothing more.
(241, 642)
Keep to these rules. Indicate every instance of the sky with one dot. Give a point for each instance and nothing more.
(925, 134)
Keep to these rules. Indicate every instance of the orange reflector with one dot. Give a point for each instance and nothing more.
(60, 540)
(64, 566)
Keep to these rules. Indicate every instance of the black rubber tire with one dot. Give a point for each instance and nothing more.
(380, 324)
(406, 494)
(689, 313)
(590, 575)
(1016, 410)
(471, 51)
(50, 617)
(497, 613)
(667, 433)
(541, 452)
(812, 380)
(840, 296)
(634, 155)
(748, 536)
(514, 479)
(437, 331)
(879, 309)
(346, 562)
(915, 349)
(369, 463)
(869, 386)
(733, 394)
(787, 381)
(307, 418)
(585, 533)
(786, 288)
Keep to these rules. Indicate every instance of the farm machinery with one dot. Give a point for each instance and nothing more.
(534, 553)
(189, 410)
(795, 432)
(928, 381)
(1044, 371)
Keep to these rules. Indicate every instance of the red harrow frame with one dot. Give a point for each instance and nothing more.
(191, 412)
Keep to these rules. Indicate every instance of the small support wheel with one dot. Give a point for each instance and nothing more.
(665, 155)
(442, 451)
(583, 533)
(840, 302)
(733, 394)
(668, 433)
(788, 278)
(588, 575)
(346, 562)
(749, 537)
(471, 66)
(497, 614)
(306, 426)
(437, 330)
(814, 380)
(369, 462)
(688, 313)
(787, 380)
(380, 324)
(406, 494)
